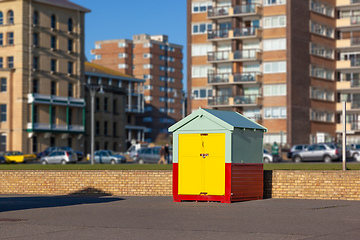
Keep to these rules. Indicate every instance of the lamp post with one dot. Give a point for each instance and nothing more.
(92, 90)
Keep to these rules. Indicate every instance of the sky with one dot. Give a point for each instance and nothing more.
(119, 19)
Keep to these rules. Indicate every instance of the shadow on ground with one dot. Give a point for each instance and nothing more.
(19, 202)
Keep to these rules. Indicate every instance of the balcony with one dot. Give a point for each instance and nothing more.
(235, 101)
(236, 11)
(348, 85)
(45, 127)
(340, 3)
(236, 33)
(133, 109)
(236, 56)
(352, 22)
(353, 43)
(56, 100)
(240, 78)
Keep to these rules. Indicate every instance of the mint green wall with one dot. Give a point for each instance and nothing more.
(247, 146)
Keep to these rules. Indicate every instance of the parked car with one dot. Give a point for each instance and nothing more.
(354, 151)
(60, 156)
(149, 155)
(108, 156)
(134, 149)
(267, 157)
(295, 148)
(18, 157)
(49, 150)
(326, 152)
(2, 158)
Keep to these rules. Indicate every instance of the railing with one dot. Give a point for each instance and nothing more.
(133, 108)
(245, 9)
(220, 33)
(246, 76)
(355, 41)
(355, 104)
(76, 128)
(245, 54)
(355, 1)
(218, 56)
(237, 32)
(218, 77)
(246, 99)
(355, 62)
(355, 82)
(55, 127)
(56, 100)
(245, 31)
(222, 100)
(354, 19)
(218, 11)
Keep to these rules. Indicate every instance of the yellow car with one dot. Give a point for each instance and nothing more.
(18, 157)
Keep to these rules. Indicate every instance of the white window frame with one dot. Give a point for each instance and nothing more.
(277, 20)
(274, 67)
(274, 44)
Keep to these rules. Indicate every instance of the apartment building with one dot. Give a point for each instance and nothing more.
(159, 63)
(348, 67)
(271, 60)
(116, 107)
(41, 67)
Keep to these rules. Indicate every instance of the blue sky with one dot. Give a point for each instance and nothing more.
(118, 19)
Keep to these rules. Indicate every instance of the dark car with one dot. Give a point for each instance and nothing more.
(295, 148)
(2, 158)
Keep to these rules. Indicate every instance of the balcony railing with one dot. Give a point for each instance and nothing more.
(235, 100)
(232, 33)
(55, 127)
(246, 99)
(218, 11)
(355, 62)
(354, 20)
(245, 9)
(55, 100)
(220, 33)
(218, 77)
(355, 104)
(355, 40)
(246, 76)
(355, 1)
(218, 56)
(246, 54)
(220, 100)
(237, 77)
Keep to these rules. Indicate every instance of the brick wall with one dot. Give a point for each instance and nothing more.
(277, 184)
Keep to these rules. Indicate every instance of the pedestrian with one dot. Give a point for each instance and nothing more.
(162, 155)
(167, 154)
(275, 152)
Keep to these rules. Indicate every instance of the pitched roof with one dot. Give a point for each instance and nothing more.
(64, 4)
(230, 119)
(92, 67)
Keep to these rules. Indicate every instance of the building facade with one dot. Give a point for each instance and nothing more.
(116, 108)
(159, 63)
(274, 61)
(41, 67)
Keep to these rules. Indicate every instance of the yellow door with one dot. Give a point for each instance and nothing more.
(202, 164)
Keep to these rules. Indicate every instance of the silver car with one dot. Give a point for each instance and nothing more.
(60, 156)
(326, 152)
(107, 156)
(267, 157)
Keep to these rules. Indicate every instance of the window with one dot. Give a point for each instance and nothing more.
(275, 67)
(114, 106)
(3, 85)
(147, 66)
(53, 42)
(70, 90)
(162, 68)
(122, 66)
(1, 39)
(321, 94)
(97, 104)
(97, 128)
(275, 44)
(322, 116)
(201, 49)
(275, 112)
(162, 47)
(321, 51)
(114, 131)
(147, 55)
(321, 29)
(105, 104)
(200, 71)
(322, 8)
(36, 18)
(201, 93)
(53, 22)
(70, 45)
(10, 17)
(53, 65)
(147, 119)
(70, 25)
(98, 56)
(3, 113)
(274, 90)
(10, 38)
(275, 21)
(201, 7)
(105, 128)
(1, 18)
(201, 28)
(70, 67)
(148, 109)
(147, 87)
(147, 45)
(1, 62)
(121, 44)
(53, 88)
(35, 86)
(34, 144)
(122, 55)
(320, 72)
(10, 61)
(274, 2)
(35, 39)
(148, 76)
(35, 63)
(97, 46)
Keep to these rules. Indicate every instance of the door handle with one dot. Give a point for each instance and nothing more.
(204, 155)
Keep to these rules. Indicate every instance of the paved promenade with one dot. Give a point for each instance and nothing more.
(109, 217)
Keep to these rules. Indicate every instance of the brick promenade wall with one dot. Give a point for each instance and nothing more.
(277, 184)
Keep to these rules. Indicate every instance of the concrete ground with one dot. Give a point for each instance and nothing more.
(110, 217)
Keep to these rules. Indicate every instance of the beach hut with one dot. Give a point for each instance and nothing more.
(217, 156)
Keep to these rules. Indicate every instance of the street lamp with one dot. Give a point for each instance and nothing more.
(92, 90)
